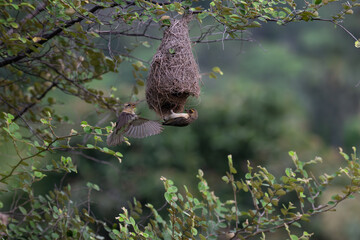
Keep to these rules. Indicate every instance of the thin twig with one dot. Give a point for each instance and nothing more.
(19, 116)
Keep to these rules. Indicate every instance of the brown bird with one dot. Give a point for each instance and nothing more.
(181, 119)
(129, 124)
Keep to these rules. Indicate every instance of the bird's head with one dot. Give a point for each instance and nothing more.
(129, 108)
(192, 113)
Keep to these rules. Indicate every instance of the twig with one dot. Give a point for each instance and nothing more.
(49, 36)
(19, 116)
(337, 24)
(25, 109)
(89, 157)
(31, 15)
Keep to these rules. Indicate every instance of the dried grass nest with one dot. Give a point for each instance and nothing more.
(174, 74)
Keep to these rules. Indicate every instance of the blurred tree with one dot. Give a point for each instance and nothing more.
(51, 48)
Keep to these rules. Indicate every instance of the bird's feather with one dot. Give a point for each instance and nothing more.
(131, 125)
(140, 128)
(124, 120)
(122, 124)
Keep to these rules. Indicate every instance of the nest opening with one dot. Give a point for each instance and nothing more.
(174, 74)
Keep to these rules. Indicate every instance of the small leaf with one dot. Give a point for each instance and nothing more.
(22, 210)
(36, 39)
(357, 44)
(140, 82)
(14, 25)
(202, 237)
(225, 179)
(297, 224)
(70, 11)
(160, 12)
(172, 189)
(38, 174)
(194, 231)
(294, 237)
(217, 70)
(165, 17)
(87, 129)
(212, 75)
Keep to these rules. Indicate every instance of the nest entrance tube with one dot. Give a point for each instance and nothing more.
(174, 74)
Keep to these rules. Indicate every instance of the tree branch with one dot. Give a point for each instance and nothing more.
(31, 15)
(48, 36)
(25, 109)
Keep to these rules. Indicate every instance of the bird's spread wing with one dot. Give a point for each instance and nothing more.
(140, 128)
(114, 139)
(123, 120)
(122, 124)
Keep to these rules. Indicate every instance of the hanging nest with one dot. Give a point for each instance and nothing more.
(174, 74)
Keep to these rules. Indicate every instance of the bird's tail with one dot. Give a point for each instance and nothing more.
(114, 139)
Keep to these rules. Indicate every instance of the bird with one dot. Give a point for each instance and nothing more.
(129, 124)
(180, 119)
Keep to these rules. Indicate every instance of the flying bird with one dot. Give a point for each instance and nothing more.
(129, 124)
(180, 119)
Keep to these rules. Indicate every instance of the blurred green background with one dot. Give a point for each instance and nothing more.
(292, 88)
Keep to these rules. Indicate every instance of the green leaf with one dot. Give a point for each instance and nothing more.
(194, 231)
(22, 210)
(44, 121)
(15, 6)
(172, 189)
(297, 224)
(294, 237)
(280, 192)
(14, 25)
(212, 75)
(233, 170)
(28, 5)
(318, 2)
(98, 131)
(168, 197)
(217, 70)
(38, 174)
(225, 179)
(9, 116)
(93, 186)
(140, 82)
(87, 129)
(13, 127)
(96, 187)
(70, 11)
(357, 44)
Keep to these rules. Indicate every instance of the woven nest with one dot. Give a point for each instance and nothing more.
(174, 74)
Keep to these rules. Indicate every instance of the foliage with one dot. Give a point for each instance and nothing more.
(208, 217)
(55, 216)
(59, 45)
